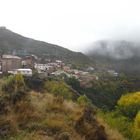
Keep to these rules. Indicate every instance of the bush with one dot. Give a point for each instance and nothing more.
(129, 104)
(13, 84)
(19, 82)
(34, 83)
(74, 83)
(9, 84)
(119, 122)
(58, 89)
(84, 101)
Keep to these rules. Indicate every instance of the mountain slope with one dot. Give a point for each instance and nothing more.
(12, 42)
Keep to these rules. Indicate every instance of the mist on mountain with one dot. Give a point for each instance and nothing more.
(119, 50)
(120, 55)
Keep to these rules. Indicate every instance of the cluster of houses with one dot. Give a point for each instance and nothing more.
(52, 68)
(58, 68)
(14, 64)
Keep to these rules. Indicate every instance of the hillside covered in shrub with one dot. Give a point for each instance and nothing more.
(50, 114)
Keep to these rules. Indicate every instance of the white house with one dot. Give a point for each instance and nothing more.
(40, 67)
(25, 72)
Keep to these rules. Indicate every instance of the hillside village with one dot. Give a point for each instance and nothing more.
(28, 65)
(70, 70)
(102, 91)
(64, 84)
(56, 113)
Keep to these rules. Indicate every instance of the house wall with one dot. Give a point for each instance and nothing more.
(10, 64)
(28, 62)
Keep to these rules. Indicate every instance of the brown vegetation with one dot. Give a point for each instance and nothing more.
(47, 116)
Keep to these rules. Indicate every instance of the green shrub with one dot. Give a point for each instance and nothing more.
(84, 101)
(119, 122)
(19, 83)
(129, 104)
(9, 84)
(58, 89)
(13, 84)
(74, 83)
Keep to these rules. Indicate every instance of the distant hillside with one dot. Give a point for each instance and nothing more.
(119, 55)
(11, 42)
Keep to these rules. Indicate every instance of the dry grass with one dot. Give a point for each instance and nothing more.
(43, 116)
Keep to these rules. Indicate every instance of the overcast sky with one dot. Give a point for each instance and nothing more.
(74, 24)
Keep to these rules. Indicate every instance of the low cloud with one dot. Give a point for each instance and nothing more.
(115, 49)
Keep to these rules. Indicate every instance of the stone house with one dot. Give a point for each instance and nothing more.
(10, 62)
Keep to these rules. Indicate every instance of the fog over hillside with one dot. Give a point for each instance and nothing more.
(114, 49)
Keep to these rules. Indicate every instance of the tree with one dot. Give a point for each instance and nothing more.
(74, 83)
(129, 104)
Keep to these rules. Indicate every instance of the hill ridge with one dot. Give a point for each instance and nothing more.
(10, 41)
